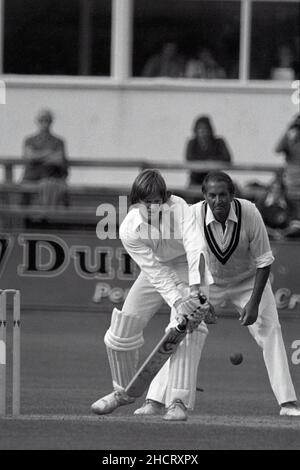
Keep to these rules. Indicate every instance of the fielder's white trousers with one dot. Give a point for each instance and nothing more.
(266, 331)
(144, 301)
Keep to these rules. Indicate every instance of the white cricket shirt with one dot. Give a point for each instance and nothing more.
(234, 255)
(156, 250)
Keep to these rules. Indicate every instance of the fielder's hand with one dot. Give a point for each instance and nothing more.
(249, 313)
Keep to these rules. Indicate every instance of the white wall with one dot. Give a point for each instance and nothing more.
(104, 120)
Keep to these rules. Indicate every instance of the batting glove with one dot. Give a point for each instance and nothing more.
(185, 308)
(210, 317)
(205, 312)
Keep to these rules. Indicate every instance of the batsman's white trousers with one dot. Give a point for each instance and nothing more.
(266, 331)
(143, 301)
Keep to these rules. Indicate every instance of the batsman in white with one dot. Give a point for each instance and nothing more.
(240, 259)
(159, 234)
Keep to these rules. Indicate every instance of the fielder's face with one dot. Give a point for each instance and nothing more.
(219, 199)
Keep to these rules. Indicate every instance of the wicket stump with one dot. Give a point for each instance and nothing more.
(16, 347)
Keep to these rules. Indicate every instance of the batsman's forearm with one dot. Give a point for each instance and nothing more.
(261, 279)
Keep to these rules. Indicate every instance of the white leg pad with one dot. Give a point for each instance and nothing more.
(123, 339)
(178, 377)
(125, 332)
(123, 366)
(183, 368)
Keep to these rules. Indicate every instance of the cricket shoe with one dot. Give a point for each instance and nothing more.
(290, 409)
(177, 411)
(111, 401)
(150, 407)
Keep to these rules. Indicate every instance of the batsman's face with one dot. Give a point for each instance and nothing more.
(219, 199)
(153, 204)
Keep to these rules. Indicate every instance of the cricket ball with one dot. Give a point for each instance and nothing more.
(236, 359)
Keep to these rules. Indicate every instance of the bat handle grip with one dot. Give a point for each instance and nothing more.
(202, 298)
(181, 327)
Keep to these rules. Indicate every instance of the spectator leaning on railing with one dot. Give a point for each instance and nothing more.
(46, 163)
(205, 146)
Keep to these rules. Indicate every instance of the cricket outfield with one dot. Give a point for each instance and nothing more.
(65, 369)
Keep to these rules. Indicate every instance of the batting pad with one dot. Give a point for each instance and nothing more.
(123, 339)
(123, 366)
(125, 332)
(183, 368)
(178, 377)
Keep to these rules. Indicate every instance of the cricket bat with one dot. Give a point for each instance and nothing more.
(156, 359)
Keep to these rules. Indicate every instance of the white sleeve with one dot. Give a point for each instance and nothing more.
(160, 276)
(195, 248)
(259, 242)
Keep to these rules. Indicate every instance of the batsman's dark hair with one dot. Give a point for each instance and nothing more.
(148, 183)
(218, 176)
